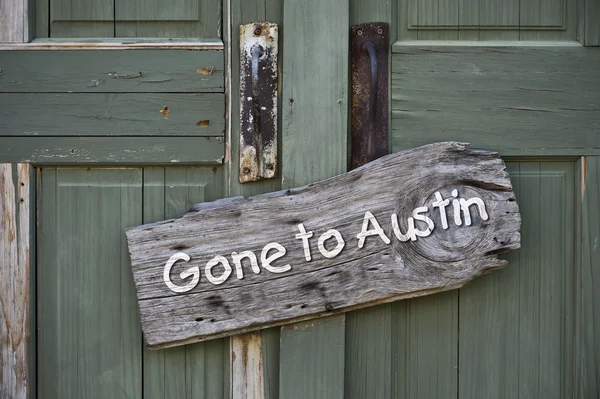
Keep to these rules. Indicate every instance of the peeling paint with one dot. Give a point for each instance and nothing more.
(203, 123)
(206, 71)
(165, 112)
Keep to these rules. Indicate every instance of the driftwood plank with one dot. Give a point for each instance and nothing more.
(355, 265)
(14, 280)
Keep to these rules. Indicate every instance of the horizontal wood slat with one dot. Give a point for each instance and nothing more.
(518, 101)
(112, 114)
(93, 71)
(113, 150)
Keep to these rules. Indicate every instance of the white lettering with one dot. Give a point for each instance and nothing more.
(417, 216)
(465, 204)
(212, 263)
(192, 271)
(338, 248)
(266, 259)
(237, 262)
(456, 206)
(364, 233)
(442, 204)
(304, 236)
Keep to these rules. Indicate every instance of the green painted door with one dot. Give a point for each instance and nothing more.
(116, 139)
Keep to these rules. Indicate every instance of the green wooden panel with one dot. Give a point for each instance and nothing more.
(314, 147)
(589, 27)
(516, 100)
(482, 20)
(181, 18)
(191, 371)
(112, 150)
(368, 355)
(111, 71)
(588, 297)
(80, 18)
(89, 340)
(516, 325)
(426, 336)
(112, 114)
(312, 359)
(243, 12)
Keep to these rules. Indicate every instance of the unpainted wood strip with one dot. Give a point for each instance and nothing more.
(587, 383)
(247, 366)
(15, 236)
(244, 12)
(59, 70)
(112, 150)
(112, 114)
(14, 21)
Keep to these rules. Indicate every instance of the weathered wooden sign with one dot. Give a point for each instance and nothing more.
(408, 224)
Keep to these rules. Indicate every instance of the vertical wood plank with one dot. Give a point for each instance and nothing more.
(314, 132)
(521, 318)
(16, 216)
(265, 342)
(312, 359)
(87, 315)
(197, 370)
(588, 318)
(368, 349)
(591, 23)
(82, 18)
(14, 21)
(247, 366)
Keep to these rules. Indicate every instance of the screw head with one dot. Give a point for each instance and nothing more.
(359, 32)
(269, 166)
(379, 31)
(257, 31)
(246, 170)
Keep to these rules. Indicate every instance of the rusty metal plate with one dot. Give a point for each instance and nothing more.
(369, 66)
(258, 101)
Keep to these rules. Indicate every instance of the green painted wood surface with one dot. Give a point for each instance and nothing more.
(482, 20)
(111, 71)
(426, 332)
(243, 12)
(139, 18)
(89, 340)
(198, 370)
(312, 359)
(588, 298)
(516, 325)
(112, 150)
(112, 114)
(314, 146)
(589, 33)
(515, 100)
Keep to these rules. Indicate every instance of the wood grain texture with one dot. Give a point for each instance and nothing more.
(89, 340)
(112, 71)
(522, 317)
(198, 370)
(247, 366)
(112, 114)
(112, 150)
(588, 298)
(314, 130)
(244, 12)
(14, 21)
(487, 20)
(16, 216)
(518, 101)
(590, 25)
(405, 270)
(425, 349)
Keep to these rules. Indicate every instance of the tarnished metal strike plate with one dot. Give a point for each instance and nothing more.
(258, 101)
(369, 46)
